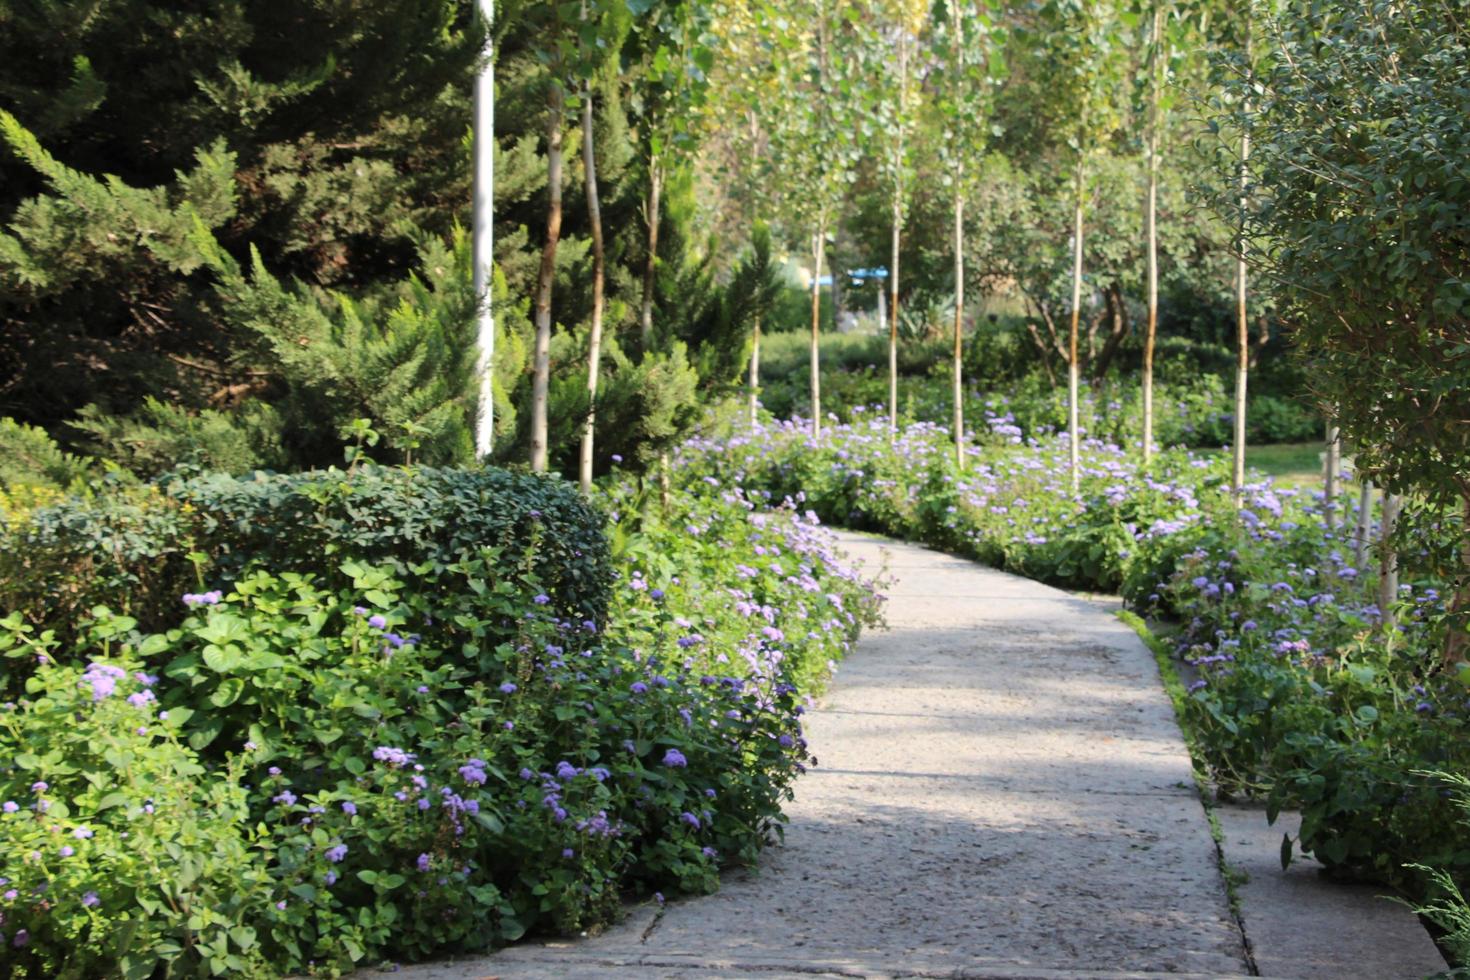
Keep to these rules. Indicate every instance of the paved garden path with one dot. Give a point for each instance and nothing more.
(1002, 792)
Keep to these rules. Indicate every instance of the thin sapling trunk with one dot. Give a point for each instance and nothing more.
(541, 358)
(594, 343)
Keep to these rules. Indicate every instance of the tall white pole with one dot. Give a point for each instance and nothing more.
(483, 235)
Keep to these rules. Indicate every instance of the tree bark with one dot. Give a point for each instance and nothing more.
(1073, 433)
(1329, 482)
(1151, 214)
(483, 237)
(1365, 516)
(541, 359)
(599, 266)
(1388, 560)
(1117, 312)
(959, 327)
(819, 250)
(1242, 324)
(903, 65)
(651, 218)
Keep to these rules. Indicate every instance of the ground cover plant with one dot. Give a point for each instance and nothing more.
(407, 753)
(1303, 693)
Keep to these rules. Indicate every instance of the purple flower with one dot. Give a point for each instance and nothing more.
(67, 851)
(639, 687)
(10, 806)
(377, 621)
(103, 679)
(690, 819)
(616, 458)
(22, 937)
(474, 772)
(82, 833)
(541, 599)
(90, 899)
(281, 905)
(285, 797)
(336, 854)
(507, 688)
(675, 759)
(567, 852)
(393, 756)
(656, 593)
(423, 862)
(565, 770)
(330, 877)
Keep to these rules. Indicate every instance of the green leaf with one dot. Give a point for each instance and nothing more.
(222, 660)
(227, 693)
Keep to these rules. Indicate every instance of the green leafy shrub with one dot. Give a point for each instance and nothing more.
(120, 859)
(416, 757)
(137, 550)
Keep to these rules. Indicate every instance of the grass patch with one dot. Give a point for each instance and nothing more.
(1290, 464)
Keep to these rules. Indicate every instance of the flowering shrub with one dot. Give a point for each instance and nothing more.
(1194, 412)
(406, 762)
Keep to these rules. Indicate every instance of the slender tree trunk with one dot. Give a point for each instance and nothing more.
(1388, 559)
(483, 237)
(819, 251)
(959, 327)
(1242, 324)
(903, 65)
(1329, 483)
(1074, 436)
(755, 369)
(594, 343)
(1365, 516)
(1152, 231)
(651, 217)
(541, 359)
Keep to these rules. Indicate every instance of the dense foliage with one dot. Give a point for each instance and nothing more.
(389, 756)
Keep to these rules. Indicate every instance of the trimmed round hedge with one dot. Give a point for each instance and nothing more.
(137, 551)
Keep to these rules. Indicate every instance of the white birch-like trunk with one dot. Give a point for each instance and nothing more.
(1388, 559)
(1242, 325)
(651, 216)
(897, 233)
(819, 251)
(1151, 216)
(1365, 516)
(959, 325)
(1073, 429)
(482, 237)
(599, 255)
(541, 357)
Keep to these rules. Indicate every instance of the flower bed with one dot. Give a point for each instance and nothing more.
(1298, 695)
(311, 771)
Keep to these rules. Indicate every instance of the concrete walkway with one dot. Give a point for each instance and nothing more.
(1002, 792)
